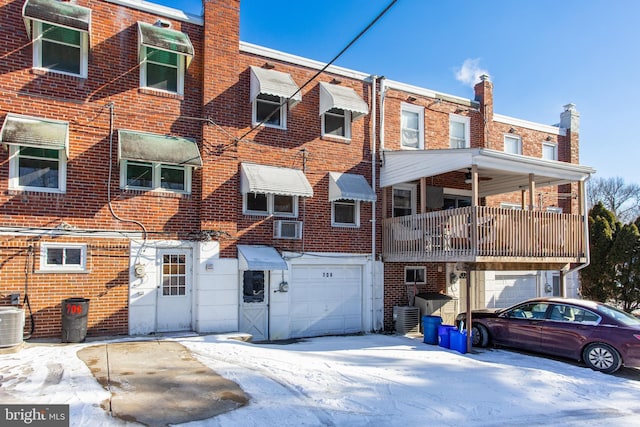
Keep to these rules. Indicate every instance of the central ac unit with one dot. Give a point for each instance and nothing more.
(283, 229)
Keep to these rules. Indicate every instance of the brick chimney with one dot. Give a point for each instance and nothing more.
(484, 95)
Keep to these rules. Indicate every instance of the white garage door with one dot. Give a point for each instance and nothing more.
(508, 289)
(325, 300)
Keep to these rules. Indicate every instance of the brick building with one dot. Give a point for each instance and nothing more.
(181, 179)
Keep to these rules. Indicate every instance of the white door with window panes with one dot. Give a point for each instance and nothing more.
(174, 291)
(254, 304)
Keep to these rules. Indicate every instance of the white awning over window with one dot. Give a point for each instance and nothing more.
(274, 180)
(149, 147)
(276, 83)
(163, 38)
(260, 257)
(63, 14)
(344, 98)
(348, 186)
(35, 132)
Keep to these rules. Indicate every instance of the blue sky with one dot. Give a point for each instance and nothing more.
(540, 54)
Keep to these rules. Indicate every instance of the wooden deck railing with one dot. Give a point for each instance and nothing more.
(470, 233)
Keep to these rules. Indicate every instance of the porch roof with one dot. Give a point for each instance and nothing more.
(499, 172)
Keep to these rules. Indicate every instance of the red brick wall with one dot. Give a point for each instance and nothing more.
(105, 284)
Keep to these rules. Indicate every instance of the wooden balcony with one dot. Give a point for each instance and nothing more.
(486, 235)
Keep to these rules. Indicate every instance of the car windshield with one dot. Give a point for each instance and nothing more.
(619, 315)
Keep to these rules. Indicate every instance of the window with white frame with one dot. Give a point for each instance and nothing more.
(415, 275)
(404, 200)
(549, 151)
(345, 213)
(412, 126)
(459, 133)
(270, 204)
(337, 122)
(138, 175)
(512, 144)
(162, 70)
(60, 49)
(63, 257)
(270, 110)
(37, 169)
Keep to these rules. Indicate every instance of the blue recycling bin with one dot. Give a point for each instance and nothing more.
(458, 340)
(430, 328)
(443, 335)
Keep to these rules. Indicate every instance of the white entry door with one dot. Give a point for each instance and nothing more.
(254, 304)
(173, 310)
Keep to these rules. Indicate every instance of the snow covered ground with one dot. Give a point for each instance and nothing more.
(370, 380)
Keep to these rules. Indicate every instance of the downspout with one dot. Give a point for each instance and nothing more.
(374, 112)
(586, 236)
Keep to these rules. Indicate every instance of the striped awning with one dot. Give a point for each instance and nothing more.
(276, 83)
(149, 147)
(260, 257)
(274, 180)
(164, 38)
(35, 132)
(63, 14)
(343, 98)
(348, 186)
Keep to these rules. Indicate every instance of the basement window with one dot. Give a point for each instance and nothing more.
(63, 258)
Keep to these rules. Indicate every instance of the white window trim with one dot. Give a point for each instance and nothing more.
(63, 268)
(37, 51)
(270, 207)
(414, 267)
(414, 196)
(180, 74)
(283, 114)
(420, 111)
(356, 214)
(466, 121)
(14, 173)
(515, 137)
(156, 179)
(347, 125)
(554, 146)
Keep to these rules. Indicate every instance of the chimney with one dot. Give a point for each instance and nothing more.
(484, 95)
(570, 118)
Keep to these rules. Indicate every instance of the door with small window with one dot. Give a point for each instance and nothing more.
(174, 291)
(254, 304)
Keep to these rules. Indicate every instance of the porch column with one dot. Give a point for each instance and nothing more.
(532, 191)
(474, 206)
(423, 195)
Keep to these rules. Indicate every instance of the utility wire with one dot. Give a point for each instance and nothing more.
(335, 58)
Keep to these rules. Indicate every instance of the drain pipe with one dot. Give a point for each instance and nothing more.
(374, 112)
(583, 202)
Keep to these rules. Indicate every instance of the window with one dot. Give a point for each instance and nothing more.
(459, 134)
(155, 176)
(415, 275)
(60, 49)
(453, 202)
(63, 257)
(37, 169)
(512, 144)
(267, 110)
(345, 213)
(404, 200)
(174, 275)
(162, 70)
(528, 311)
(253, 286)
(337, 122)
(412, 126)
(549, 151)
(270, 204)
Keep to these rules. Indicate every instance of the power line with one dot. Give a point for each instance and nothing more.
(355, 39)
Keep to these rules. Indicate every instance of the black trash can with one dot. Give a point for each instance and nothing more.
(74, 319)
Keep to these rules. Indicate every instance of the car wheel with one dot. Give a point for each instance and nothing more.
(602, 357)
(480, 335)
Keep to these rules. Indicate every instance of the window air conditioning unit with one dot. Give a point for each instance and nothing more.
(283, 229)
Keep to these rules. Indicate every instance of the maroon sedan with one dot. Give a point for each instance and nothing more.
(602, 336)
